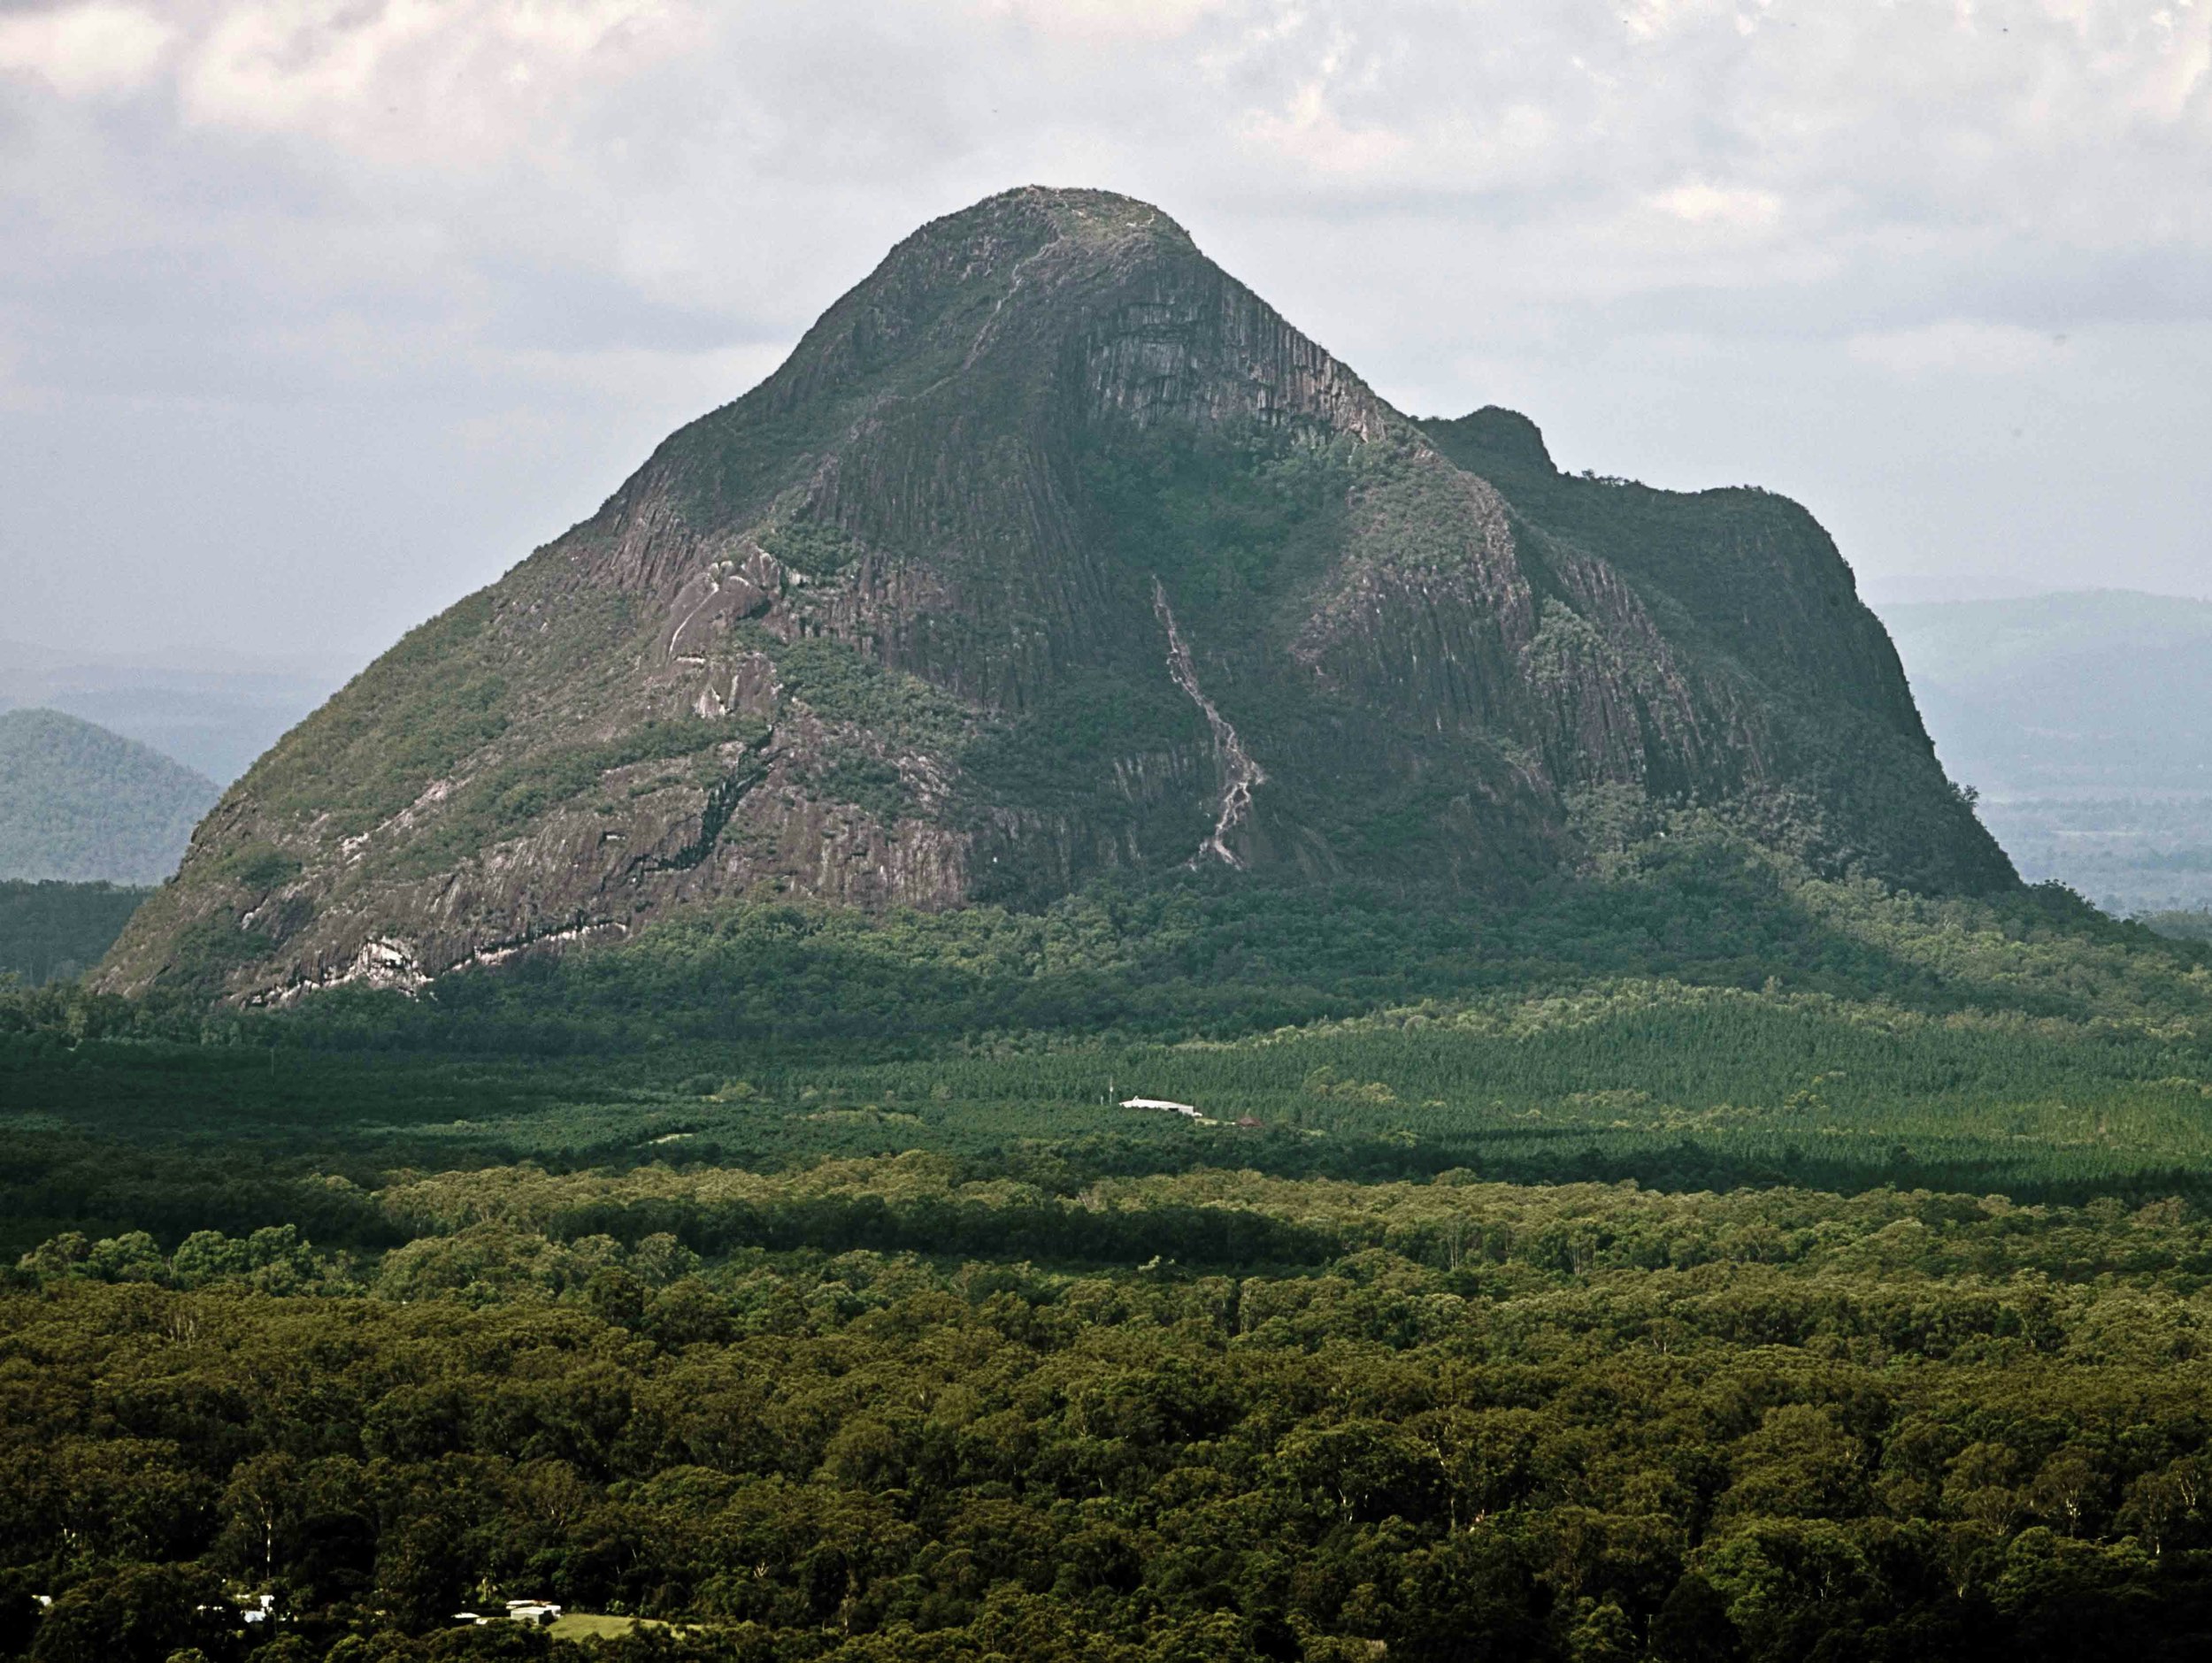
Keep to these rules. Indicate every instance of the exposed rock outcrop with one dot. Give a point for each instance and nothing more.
(1050, 549)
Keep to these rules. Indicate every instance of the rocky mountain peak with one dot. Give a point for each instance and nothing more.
(1493, 438)
(1053, 550)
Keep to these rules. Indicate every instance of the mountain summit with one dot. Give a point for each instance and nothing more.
(1052, 549)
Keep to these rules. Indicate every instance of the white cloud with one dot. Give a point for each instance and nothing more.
(1309, 133)
(87, 50)
(1699, 203)
(1102, 22)
(611, 212)
(1651, 19)
(454, 84)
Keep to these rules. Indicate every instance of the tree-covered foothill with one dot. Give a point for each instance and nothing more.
(1692, 1016)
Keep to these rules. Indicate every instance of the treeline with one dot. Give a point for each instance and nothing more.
(1045, 1227)
(54, 931)
(1216, 955)
(1499, 1423)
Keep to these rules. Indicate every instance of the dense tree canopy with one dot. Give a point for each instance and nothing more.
(1701, 1261)
(1459, 1419)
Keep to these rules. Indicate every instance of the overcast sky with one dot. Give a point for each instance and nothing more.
(317, 314)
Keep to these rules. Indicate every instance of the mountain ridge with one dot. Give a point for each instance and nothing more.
(1053, 550)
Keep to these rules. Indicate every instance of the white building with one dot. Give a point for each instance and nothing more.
(1189, 1111)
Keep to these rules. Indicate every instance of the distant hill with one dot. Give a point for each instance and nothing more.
(216, 720)
(2085, 719)
(2099, 690)
(52, 931)
(80, 803)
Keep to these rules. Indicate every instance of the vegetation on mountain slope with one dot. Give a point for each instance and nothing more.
(1703, 1015)
(1053, 555)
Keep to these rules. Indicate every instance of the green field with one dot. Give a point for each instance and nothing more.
(584, 1625)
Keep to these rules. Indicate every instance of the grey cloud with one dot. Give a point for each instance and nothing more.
(450, 289)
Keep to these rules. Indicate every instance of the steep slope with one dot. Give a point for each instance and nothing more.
(1052, 549)
(1748, 585)
(80, 803)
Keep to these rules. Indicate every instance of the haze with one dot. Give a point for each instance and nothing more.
(314, 317)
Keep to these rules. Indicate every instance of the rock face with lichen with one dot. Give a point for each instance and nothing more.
(1054, 550)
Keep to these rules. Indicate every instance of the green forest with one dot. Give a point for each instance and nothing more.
(52, 931)
(80, 804)
(1693, 1259)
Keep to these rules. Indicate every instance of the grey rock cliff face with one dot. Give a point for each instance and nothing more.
(1053, 549)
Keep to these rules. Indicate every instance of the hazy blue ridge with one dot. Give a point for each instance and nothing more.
(214, 717)
(80, 803)
(2084, 721)
(2101, 690)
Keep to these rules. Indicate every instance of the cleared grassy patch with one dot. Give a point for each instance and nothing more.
(587, 1625)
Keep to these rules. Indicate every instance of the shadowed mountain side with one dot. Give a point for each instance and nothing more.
(1052, 550)
(1751, 586)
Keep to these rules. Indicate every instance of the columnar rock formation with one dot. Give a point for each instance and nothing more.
(1053, 549)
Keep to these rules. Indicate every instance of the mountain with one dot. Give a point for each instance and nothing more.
(1052, 551)
(2103, 691)
(215, 720)
(81, 803)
